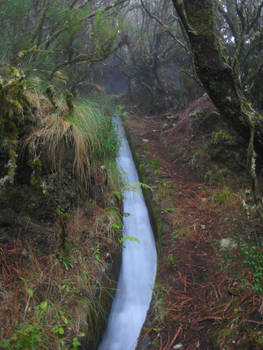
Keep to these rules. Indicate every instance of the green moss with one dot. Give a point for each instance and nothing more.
(224, 333)
(14, 71)
(252, 340)
(69, 100)
(201, 18)
(15, 108)
(212, 86)
(35, 164)
(222, 136)
(35, 179)
(220, 49)
(247, 106)
(258, 337)
(196, 114)
(51, 95)
(8, 179)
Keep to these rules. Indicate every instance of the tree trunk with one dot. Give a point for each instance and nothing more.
(218, 78)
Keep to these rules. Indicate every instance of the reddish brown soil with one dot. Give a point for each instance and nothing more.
(195, 298)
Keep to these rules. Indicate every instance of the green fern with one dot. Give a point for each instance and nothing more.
(135, 186)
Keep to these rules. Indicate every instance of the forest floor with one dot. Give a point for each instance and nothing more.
(205, 295)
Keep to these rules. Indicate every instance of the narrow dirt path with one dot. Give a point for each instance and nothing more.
(194, 297)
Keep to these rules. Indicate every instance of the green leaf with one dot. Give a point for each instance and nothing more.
(145, 186)
(170, 210)
(64, 319)
(117, 194)
(135, 186)
(118, 227)
(5, 343)
(30, 292)
(129, 238)
(75, 343)
(43, 305)
(61, 330)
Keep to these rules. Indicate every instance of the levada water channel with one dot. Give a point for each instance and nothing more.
(139, 261)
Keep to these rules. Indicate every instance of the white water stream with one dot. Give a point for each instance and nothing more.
(139, 261)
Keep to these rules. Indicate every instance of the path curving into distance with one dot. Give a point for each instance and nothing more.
(139, 260)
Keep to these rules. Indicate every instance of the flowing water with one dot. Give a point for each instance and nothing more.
(139, 260)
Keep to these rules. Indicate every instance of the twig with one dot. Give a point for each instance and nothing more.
(27, 306)
(169, 346)
(165, 27)
(256, 322)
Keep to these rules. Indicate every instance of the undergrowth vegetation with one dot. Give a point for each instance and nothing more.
(57, 301)
(56, 295)
(60, 220)
(242, 252)
(85, 128)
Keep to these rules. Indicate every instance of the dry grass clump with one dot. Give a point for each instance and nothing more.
(62, 130)
(81, 135)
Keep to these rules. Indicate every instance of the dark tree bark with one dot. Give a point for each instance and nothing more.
(218, 78)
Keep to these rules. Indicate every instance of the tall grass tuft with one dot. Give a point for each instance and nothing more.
(86, 130)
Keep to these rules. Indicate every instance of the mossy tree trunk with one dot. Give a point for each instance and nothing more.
(218, 78)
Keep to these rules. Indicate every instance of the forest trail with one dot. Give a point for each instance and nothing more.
(193, 297)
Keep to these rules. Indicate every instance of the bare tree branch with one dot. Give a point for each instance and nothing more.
(92, 14)
(166, 28)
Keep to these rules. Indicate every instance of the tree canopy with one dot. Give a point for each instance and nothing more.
(56, 40)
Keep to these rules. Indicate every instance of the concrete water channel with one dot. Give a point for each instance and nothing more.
(139, 260)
